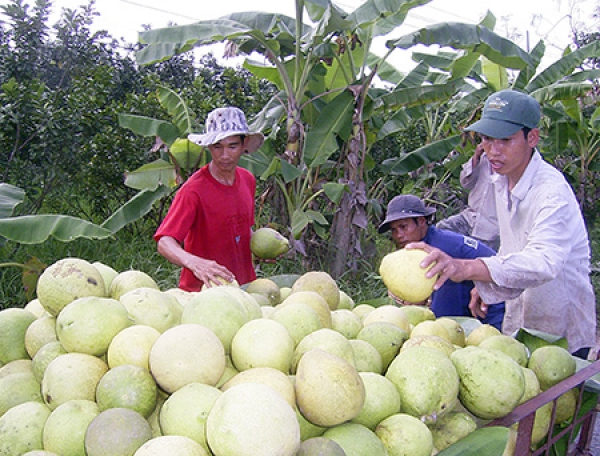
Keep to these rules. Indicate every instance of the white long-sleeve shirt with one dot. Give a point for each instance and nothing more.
(542, 269)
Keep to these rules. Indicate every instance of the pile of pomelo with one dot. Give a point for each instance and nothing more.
(105, 363)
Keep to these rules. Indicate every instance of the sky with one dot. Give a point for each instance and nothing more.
(523, 21)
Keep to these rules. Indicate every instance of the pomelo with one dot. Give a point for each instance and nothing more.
(480, 333)
(451, 428)
(17, 366)
(299, 319)
(18, 388)
(151, 307)
(362, 310)
(182, 296)
(13, 326)
(403, 275)
(346, 301)
(405, 435)
(387, 338)
(252, 307)
(356, 440)
(313, 300)
(274, 378)
(431, 341)
(22, 427)
(172, 445)
(267, 288)
(430, 328)
(116, 432)
(551, 364)
(66, 280)
(39, 333)
(252, 418)
(325, 339)
(130, 280)
(366, 357)
(320, 446)
(44, 356)
(88, 325)
(35, 307)
(132, 346)
(267, 243)
(509, 346)
(64, 430)
(185, 354)
(390, 314)
(381, 400)
(417, 314)
(455, 330)
(108, 274)
(346, 323)
(321, 283)
(308, 430)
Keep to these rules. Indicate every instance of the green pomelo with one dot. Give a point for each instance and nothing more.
(151, 307)
(186, 410)
(18, 366)
(366, 357)
(13, 326)
(491, 383)
(88, 325)
(325, 339)
(44, 356)
(403, 275)
(362, 310)
(72, 376)
(130, 280)
(329, 390)
(229, 372)
(116, 432)
(132, 345)
(39, 333)
(428, 341)
(108, 274)
(387, 338)
(22, 427)
(451, 428)
(481, 333)
(346, 323)
(509, 346)
(299, 319)
(35, 307)
(541, 423)
(274, 378)
(18, 388)
(346, 301)
(356, 440)
(308, 430)
(417, 314)
(532, 385)
(389, 314)
(262, 343)
(313, 300)
(566, 405)
(381, 400)
(455, 330)
(185, 354)
(551, 364)
(64, 431)
(252, 418)
(219, 311)
(127, 386)
(172, 445)
(427, 382)
(262, 301)
(66, 280)
(267, 243)
(430, 328)
(252, 307)
(405, 435)
(267, 288)
(321, 283)
(320, 446)
(284, 292)
(153, 419)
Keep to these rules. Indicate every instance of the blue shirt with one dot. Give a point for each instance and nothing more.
(452, 299)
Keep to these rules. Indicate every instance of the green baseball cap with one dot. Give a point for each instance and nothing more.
(505, 113)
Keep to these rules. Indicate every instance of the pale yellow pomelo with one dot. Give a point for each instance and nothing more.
(72, 376)
(316, 446)
(390, 314)
(88, 325)
(298, 318)
(362, 310)
(566, 404)
(262, 343)
(219, 311)
(267, 288)
(431, 341)
(451, 428)
(229, 372)
(387, 338)
(274, 378)
(108, 274)
(405, 435)
(130, 280)
(329, 390)
(185, 412)
(403, 275)
(356, 440)
(18, 388)
(152, 307)
(64, 430)
(321, 283)
(185, 354)
(261, 299)
(182, 296)
(172, 445)
(532, 385)
(284, 292)
(481, 332)
(13, 326)
(509, 346)
(266, 311)
(541, 423)
(44, 356)
(366, 356)
(313, 300)
(39, 333)
(325, 339)
(417, 314)
(346, 322)
(346, 301)
(252, 418)
(267, 243)
(66, 280)
(22, 427)
(551, 364)
(381, 400)
(35, 307)
(116, 432)
(132, 346)
(431, 328)
(127, 386)
(252, 307)
(427, 381)
(17, 366)
(455, 330)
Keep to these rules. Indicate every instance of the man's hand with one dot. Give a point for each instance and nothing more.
(477, 307)
(208, 271)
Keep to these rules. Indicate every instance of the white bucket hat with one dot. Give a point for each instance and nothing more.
(222, 123)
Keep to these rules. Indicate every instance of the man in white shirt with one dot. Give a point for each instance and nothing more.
(542, 268)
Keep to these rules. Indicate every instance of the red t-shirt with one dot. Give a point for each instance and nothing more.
(213, 221)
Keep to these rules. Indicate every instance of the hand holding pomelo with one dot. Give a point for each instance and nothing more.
(403, 275)
(268, 244)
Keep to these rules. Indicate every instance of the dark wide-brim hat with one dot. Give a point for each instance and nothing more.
(222, 123)
(403, 207)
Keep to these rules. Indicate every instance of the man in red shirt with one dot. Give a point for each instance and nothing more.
(208, 227)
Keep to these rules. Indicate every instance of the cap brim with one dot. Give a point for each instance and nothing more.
(253, 141)
(495, 128)
(385, 226)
